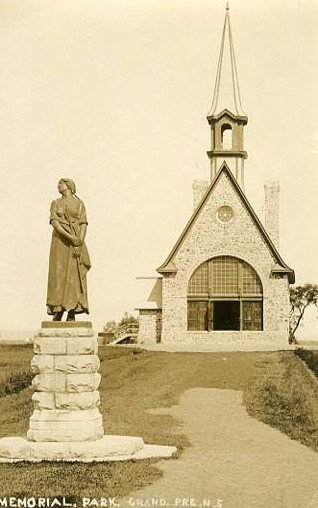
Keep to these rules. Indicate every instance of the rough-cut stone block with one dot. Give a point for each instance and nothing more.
(49, 346)
(52, 431)
(42, 364)
(152, 451)
(66, 332)
(55, 382)
(82, 382)
(77, 364)
(82, 346)
(62, 415)
(66, 324)
(74, 401)
(66, 398)
(71, 426)
(107, 448)
(13, 447)
(43, 400)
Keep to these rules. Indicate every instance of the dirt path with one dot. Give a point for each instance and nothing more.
(233, 458)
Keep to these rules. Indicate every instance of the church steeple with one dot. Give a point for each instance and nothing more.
(226, 116)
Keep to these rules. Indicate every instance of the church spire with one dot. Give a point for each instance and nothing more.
(226, 116)
(227, 90)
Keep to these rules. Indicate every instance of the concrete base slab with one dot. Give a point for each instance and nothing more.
(109, 448)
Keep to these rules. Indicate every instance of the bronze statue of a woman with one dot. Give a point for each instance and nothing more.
(69, 259)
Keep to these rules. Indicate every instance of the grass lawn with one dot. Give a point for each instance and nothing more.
(311, 359)
(276, 389)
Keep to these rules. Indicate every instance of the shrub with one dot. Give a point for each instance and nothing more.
(16, 382)
(284, 397)
(311, 359)
(128, 319)
(112, 326)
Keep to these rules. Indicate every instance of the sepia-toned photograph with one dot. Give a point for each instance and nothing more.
(159, 246)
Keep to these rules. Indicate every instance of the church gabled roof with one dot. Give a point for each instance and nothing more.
(227, 90)
(280, 268)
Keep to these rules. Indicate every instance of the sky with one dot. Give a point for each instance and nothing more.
(114, 94)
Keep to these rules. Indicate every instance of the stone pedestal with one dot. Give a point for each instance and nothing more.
(66, 424)
(66, 383)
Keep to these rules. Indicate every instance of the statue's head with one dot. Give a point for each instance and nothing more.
(66, 183)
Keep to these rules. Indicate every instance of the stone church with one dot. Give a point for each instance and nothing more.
(224, 279)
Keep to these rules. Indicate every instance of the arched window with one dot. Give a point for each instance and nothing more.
(226, 136)
(225, 293)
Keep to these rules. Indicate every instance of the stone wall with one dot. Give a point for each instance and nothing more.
(272, 211)
(199, 189)
(149, 326)
(207, 238)
(236, 165)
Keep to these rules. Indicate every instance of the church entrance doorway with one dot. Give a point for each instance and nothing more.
(225, 293)
(226, 316)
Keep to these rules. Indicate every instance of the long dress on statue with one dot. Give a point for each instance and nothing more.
(67, 287)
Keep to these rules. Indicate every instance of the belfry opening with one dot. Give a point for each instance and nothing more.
(226, 137)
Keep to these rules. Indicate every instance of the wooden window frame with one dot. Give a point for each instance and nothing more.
(210, 296)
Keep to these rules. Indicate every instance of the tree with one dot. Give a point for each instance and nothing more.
(110, 327)
(300, 298)
(128, 319)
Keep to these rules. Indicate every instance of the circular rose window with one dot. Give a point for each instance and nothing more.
(225, 213)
